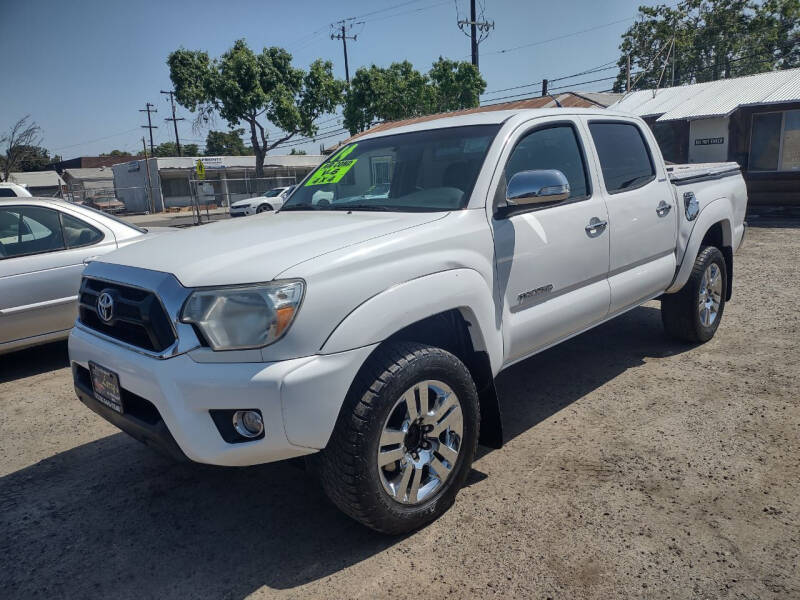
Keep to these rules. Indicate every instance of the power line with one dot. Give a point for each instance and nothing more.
(566, 35)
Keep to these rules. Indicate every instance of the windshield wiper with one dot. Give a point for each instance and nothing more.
(376, 207)
(298, 207)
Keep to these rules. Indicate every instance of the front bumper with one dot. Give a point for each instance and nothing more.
(299, 399)
(242, 211)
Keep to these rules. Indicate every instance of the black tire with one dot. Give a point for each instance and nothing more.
(679, 311)
(263, 208)
(348, 467)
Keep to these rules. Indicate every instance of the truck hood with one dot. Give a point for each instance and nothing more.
(261, 247)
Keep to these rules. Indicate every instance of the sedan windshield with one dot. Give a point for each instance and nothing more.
(433, 170)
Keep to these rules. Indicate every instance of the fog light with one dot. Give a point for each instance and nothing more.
(248, 423)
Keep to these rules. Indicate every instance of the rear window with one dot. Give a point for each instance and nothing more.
(7, 193)
(624, 157)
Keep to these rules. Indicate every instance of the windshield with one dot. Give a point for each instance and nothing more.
(431, 170)
(273, 193)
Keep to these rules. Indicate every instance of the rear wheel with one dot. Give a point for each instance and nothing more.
(694, 313)
(405, 439)
(263, 208)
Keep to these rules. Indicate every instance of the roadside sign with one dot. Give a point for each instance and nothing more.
(201, 169)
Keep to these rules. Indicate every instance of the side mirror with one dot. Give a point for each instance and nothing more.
(529, 188)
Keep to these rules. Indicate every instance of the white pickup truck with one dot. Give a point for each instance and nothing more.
(367, 329)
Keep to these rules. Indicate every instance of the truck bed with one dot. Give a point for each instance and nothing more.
(680, 174)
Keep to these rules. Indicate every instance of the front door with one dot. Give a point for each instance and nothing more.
(551, 262)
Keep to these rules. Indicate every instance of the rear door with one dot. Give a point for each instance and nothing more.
(551, 262)
(41, 260)
(642, 210)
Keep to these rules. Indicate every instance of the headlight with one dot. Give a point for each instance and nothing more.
(237, 318)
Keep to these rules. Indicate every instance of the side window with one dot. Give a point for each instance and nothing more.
(551, 148)
(29, 230)
(7, 193)
(624, 156)
(77, 233)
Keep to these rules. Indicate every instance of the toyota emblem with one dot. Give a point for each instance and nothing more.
(105, 307)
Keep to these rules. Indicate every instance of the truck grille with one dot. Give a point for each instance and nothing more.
(137, 317)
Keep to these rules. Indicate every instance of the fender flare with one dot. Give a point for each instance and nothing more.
(717, 211)
(397, 307)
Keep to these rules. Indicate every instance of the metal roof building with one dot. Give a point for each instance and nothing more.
(753, 120)
(714, 98)
(39, 183)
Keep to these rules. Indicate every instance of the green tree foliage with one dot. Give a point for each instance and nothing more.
(713, 39)
(400, 92)
(295, 151)
(18, 145)
(222, 143)
(116, 153)
(35, 158)
(249, 88)
(168, 149)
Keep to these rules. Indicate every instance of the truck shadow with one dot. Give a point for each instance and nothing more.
(33, 361)
(112, 519)
(535, 389)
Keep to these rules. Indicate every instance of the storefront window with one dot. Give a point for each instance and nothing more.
(775, 141)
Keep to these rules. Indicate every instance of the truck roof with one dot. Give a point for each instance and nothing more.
(488, 117)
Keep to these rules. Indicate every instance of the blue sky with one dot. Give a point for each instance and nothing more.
(82, 69)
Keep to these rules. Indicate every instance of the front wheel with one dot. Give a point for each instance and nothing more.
(693, 314)
(405, 439)
(263, 208)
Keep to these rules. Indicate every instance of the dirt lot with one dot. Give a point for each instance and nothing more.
(635, 468)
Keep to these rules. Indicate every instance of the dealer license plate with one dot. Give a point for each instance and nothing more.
(105, 384)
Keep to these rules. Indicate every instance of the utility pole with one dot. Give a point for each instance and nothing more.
(343, 27)
(628, 75)
(474, 27)
(171, 94)
(544, 87)
(149, 108)
(152, 202)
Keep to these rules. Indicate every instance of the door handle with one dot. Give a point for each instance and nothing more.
(663, 208)
(595, 227)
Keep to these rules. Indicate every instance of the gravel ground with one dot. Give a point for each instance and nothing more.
(635, 468)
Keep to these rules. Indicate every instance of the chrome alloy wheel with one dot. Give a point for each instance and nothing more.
(710, 295)
(420, 442)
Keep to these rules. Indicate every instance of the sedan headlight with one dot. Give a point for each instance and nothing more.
(237, 318)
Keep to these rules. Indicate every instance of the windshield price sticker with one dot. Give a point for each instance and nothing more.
(331, 172)
(344, 152)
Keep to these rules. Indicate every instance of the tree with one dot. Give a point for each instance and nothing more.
(18, 144)
(168, 149)
(401, 92)
(709, 40)
(295, 151)
(245, 87)
(116, 153)
(35, 158)
(221, 143)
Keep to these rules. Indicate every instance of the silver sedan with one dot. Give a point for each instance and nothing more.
(44, 245)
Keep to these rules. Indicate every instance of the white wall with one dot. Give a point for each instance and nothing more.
(704, 138)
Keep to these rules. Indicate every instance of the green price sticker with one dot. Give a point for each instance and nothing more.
(344, 152)
(331, 172)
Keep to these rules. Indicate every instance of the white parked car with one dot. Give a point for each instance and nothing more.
(367, 329)
(13, 190)
(268, 201)
(43, 246)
